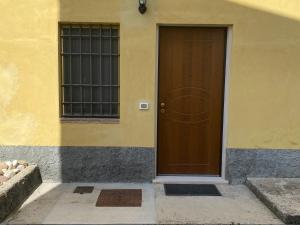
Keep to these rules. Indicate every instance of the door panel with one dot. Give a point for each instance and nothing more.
(190, 102)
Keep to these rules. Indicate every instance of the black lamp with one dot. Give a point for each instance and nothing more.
(142, 6)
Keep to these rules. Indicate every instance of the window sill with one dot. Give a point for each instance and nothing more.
(90, 120)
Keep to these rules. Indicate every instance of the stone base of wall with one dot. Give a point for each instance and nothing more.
(87, 164)
(137, 164)
(243, 163)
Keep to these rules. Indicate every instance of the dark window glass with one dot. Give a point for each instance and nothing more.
(90, 71)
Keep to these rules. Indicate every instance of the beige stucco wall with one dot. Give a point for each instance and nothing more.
(264, 82)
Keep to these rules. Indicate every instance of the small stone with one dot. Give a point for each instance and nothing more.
(9, 174)
(20, 167)
(16, 170)
(23, 162)
(3, 165)
(15, 163)
(3, 179)
(9, 165)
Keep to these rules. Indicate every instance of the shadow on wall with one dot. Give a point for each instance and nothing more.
(118, 164)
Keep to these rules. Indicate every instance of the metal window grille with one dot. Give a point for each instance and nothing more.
(90, 71)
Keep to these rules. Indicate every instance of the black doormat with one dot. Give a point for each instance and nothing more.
(191, 190)
(84, 189)
(120, 198)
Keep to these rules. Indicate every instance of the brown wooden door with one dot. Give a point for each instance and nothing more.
(190, 102)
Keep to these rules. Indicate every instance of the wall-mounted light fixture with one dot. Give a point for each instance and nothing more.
(142, 6)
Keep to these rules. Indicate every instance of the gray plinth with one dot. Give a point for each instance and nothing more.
(243, 163)
(88, 164)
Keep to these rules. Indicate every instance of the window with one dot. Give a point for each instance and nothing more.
(90, 71)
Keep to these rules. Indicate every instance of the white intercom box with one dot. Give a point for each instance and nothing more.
(143, 106)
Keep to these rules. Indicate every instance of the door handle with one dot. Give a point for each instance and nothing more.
(162, 106)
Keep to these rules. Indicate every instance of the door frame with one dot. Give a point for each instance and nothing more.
(225, 101)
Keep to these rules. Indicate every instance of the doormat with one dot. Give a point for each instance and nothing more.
(120, 198)
(83, 189)
(191, 190)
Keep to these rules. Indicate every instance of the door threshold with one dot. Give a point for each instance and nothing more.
(189, 180)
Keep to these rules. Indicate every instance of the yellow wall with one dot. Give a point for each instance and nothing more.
(264, 82)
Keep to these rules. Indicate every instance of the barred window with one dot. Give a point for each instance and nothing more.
(90, 71)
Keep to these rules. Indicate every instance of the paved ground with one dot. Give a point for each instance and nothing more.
(237, 205)
(55, 203)
(281, 195)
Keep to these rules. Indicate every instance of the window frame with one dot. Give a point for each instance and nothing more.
(92, 118)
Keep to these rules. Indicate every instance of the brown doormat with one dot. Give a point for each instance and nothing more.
(84, 189)
(120, 198)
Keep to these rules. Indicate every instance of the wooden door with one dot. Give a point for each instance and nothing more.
(190, 101)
